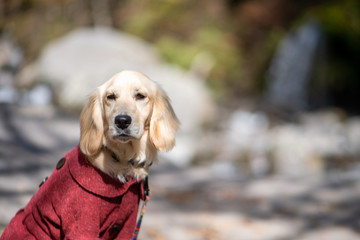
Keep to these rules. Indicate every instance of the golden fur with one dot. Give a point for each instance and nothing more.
(153, 125)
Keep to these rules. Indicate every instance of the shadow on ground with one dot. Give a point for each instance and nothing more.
(186, 203)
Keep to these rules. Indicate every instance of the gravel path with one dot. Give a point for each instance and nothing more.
(186, 203)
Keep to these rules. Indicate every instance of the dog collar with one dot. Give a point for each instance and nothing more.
(113, 155)
(115, 158)
(131, 161)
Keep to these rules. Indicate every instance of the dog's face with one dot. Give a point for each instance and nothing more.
(122, 109)
(127, 103)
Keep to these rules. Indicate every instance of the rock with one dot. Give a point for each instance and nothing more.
(294, 153)
(225, 170)
(8, 94)
(243, 126)
(321, 141)
(11, 56)
(6, 78)
(331, 233)
(310, 147)
(40, 95)
(245, 140)
(353, 135)
(224, 225)
(272, 188)
(185, 150)
(77, 63)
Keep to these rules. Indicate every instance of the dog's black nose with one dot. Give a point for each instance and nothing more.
(122, 121)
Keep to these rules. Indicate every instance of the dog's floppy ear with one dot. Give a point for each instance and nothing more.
(163, 122)
(91, 125)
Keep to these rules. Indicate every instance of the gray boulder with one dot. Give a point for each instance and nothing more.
(77, 63)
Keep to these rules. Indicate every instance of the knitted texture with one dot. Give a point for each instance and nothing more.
(78, 201)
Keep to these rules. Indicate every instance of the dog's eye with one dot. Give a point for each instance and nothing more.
(111, 96)
(139, 96)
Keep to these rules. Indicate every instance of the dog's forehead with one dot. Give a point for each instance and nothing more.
(129, 80)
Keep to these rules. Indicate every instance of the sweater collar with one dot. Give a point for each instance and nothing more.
(94, 180)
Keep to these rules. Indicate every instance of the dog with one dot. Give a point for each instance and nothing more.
(129, 117)
(95, 189)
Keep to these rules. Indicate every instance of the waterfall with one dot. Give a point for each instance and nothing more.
(291, 68)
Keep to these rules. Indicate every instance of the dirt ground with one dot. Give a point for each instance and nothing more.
(186, 203)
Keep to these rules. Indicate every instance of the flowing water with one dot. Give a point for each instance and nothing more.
(292, 67)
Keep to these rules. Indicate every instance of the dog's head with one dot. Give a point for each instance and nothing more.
(122, 109)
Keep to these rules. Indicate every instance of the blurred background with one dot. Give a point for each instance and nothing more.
(267, 92)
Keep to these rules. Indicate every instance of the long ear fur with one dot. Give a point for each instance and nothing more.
(91, 126)
(163, 123)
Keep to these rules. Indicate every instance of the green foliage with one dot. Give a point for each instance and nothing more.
(176, 52)
(211, 40)
(240, 37)
(152, 19)
(341, 25)
(341, 19)
(228, 59)
(183, 29)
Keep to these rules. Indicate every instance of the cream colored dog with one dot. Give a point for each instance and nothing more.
(125, 122)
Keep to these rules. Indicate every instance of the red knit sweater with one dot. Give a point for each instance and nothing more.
(78, 202)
